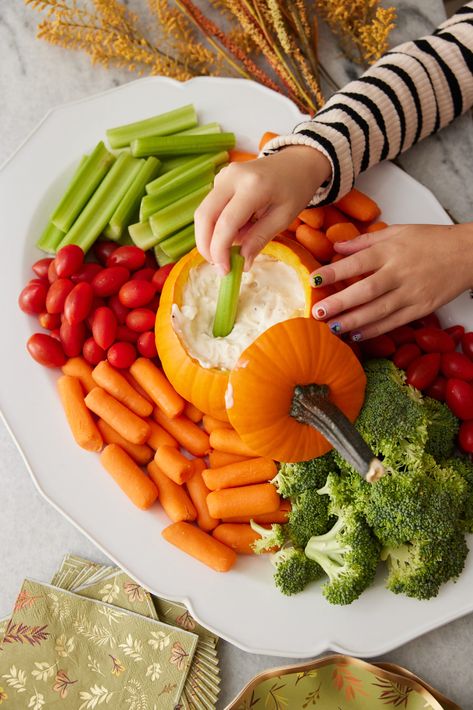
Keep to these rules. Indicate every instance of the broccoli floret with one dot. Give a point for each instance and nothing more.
(308, 516)
(464, 468)
(442, 428)
(346, 487)
(294, 571)
(294, 478)
(269, 537)
(348, 554)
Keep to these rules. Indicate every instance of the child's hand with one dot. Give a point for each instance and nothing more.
(253, 201)
(413, 270)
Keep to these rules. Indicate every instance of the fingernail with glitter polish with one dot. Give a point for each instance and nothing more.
(356, 336)
(320, 312)
(317, 280)
(335, 327)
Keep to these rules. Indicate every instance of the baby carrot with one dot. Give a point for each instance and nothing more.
(140, 453)
(192, 413)
(198, 492)
(333, 216)
(159, 436)
(120, 418)
(115, 384)
(294, 224)
(342, 232)
(237, 536)
(375, 227)
(188, 434)
(200, 545)
(131, 381)
(240, 474)
(314, 241)
(173, 464)
(78, 416)
(244, 500)
(210, 423)
(176, 503)
(278, 516)
(134, 483)
(227, 440)
(265, 138)
(155, 383)
(78, 367)
(359, 206)
(313, 216)
(240, 156)
(220, 458)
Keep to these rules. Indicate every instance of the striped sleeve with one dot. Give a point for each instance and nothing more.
(410, 93)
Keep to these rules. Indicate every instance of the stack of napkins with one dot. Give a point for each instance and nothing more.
(94, 637)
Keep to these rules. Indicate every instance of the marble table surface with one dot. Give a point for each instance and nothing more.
(33, 536)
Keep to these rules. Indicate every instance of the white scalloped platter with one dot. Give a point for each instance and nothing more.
(242, 606)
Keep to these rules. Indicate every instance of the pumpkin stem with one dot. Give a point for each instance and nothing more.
(311, 405)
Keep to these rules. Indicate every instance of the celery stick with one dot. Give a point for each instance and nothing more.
(182, 145)
(97, 213)
(168, 164)
(82, 187)
(152, 203)
(228, 295)
(179, 119)
(50, 238)
(180, 243)
(142, 235)
(202, 130)
(201, 162)
(129, 205)
(161, 257)
(126, 240)
(181, 213)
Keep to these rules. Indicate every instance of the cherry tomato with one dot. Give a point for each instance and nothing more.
(151, 260)
(380, 346)
(86, 272)
(403, 334)
(49, 321)
(161, 275)
(130, 257)
(145, 274)
(121, 355)
(52, 275)
(438, 389)
(405, 355)
(96, 303)
(423, 371)
(102, 250)
(46, 350)
(104, 326)
(68, 260)
(141, 319)
(153, 305)
(459, 397)
(429, 321)
(55, 334)
(92, 352)
(457, 365)
(134, 294)
(57, 294)
(146, 344)
(118, 308)
(32, 298)
(467, 345)
(434, 340)
(72, 337)
(465, 436)
(125, 333)
(78, 303)
(109, 281)
(456, 332)
(41, 267)
(40, 281)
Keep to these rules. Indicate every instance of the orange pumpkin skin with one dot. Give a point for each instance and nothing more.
(206, 387)
(299, 351)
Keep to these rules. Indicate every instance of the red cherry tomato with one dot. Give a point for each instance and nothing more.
(146, 345)
(459, 397)
(52, 275)
(438, 389)
(102, 250)
(456, 332)
(467, 345)
(108, 281)
(465, 436)
(86, 272)
(161, 275)
(457, 365)
(405, 355)
(130, 257)
(92, 352)
(79, 302)
(434, 340)
(429, 321)
(57, 294)
(68, 260)
(46, 350)
(104, 326)
(121, 355)
(403, 334)
(49, 321)
(141, 319)
(32, 299)
(125, 333)
(151, 260)
(145, 274)
(55, 334)
(40, 281)
(380, 346)
(423, 371)
(118, 308)
(41, 267)
(134, 294)
(153, 305)
(72, 337)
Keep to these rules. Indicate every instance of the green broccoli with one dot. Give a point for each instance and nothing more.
(308, 516)
(348, 554)
(269, 537)
(346, 487)
(294, 478)
(294, 571)
(442, 428)
(464, 468)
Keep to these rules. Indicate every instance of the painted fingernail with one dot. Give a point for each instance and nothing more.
(320, 312)
(356, 336)
(335, 327)
(316, 280)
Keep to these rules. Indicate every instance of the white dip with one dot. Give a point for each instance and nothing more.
(270, 293)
